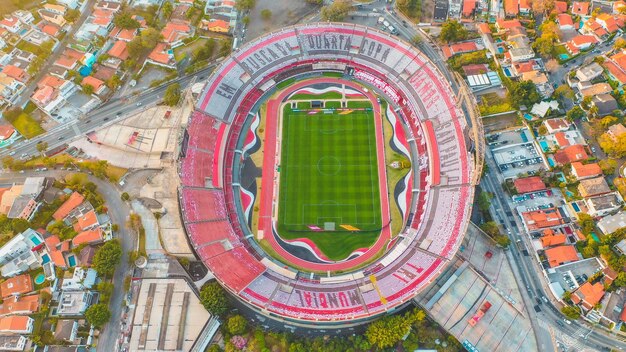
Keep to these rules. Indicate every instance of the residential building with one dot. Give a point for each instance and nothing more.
(542, 219)
(66, 330)
(605, 103)
(80, 280)
(561, 255)
(16, 286)
(16, 73)
(8, 197)
(565, 21)
(531, 184)
(74, 303)
(98, 86)
(593, 187)
(57, 251)
(86, 221)
(583, 171)
(459, 48)
(160, 56)
(580, 42)
(175, 31)
(553, 240)
(556, 125)
(621, 247)
(218, 26)
(580, 8)
(540, 80)
(612, 223)
(506, 25)
(616, 67)
(21, 243)
(570, 154)
(70, 204)
(51, 94)
(11, 24)
(10, 89)
(88, 237)
(614, 131)
(589, 72)
(24, 16)
(560, 7)
(12, 342)
(52, 17)
(24, 305)
(590, 90)
(16, 324)
(603, 204)
(119, 50)
(608, 22)
(588, 295)
(511, 8)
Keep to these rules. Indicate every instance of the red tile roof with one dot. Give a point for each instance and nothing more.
(15, 72)
(91, 236)
(561, 139)
(565, 20)
(529, 184)
(511, 8)
(541, 219)
(580, 8)
(560, 6)
(93, 81)
(86, 221)
(16, 285)
(159, 54)
(588, 295)
(70, 204)
(6, 131)
(119, 50)
(468, 7)
(586, 170)
(570, 154)
(561, 255)
(553, 240)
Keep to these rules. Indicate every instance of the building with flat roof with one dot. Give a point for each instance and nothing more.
(12, 342)
(604, 204)
(74, 303)
(168, 316)
(612, 223)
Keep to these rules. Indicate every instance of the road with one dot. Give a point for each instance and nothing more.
(119, 212)
(530, 275)
(107, 114)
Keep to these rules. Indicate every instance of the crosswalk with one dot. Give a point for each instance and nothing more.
(574, 341)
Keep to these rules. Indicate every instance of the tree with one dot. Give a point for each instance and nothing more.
(542, 6)
(490, 228)
(213, 298)
(114, 82)
(564, 91)
(544, 46)
(586, 222)
(620, 43)
(98, 314)
(150, 37)
(417, 39)
(172, 95)
(225, 47)
(124, 19)
(608, 121)
(242, 5)
(452, 31)
(524, 93)
(620, 280)
(125, 197)
(35, 65)
(71, 15)
(608, 166)
(388, 331)
(502, 240)
(236, 325)
(88, 89)
(576, 113)
(245, 20)
(336, 11)
(42, 147)
(484, 201)
(167, 9)
(266, 14)
(107, 257)
(570, 312)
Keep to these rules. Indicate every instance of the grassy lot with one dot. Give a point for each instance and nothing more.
(27, 126)
(492, 103)
(359, 104)
(329, 174)
(182, 51)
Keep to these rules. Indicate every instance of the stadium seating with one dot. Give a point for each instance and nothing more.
(427, 105)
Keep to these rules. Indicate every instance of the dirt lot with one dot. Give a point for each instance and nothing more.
(284, 13)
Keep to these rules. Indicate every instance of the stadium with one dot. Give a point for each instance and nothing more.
(327, 175)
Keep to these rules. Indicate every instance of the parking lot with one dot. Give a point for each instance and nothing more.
(571, 276)
(515, 152)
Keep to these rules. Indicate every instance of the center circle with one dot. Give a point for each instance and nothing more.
(329, 165)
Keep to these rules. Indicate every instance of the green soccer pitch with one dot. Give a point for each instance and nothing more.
(329, 174)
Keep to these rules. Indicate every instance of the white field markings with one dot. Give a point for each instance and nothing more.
(369, 165)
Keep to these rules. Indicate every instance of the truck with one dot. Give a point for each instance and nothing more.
(392, 30)
(381, 19)
(481, 312)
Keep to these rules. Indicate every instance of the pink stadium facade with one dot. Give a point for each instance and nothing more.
(438, 195)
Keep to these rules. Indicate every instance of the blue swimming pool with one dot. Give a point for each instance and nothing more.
(576, 207)
(40, 279)
(524, 136)
(507, 72)
(500, 50)
(569, 194)
(595, 237)
(45, 259)
(71, 260)
(563, 56)
(35, 240)
(544, 146)
(551, 162)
